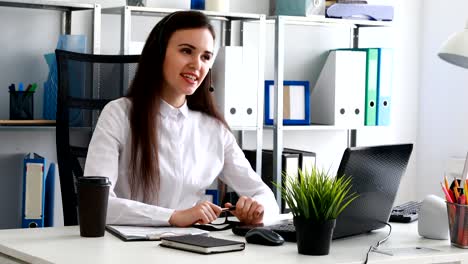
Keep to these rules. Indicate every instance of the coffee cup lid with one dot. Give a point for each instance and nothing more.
(94, 180)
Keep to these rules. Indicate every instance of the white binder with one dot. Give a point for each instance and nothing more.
(235, 87)
(338, 97)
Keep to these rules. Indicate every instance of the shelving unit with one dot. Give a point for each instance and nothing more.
(279, 63)
(67, 8)
(127, 12)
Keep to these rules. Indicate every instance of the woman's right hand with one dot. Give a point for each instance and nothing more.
(202, 213)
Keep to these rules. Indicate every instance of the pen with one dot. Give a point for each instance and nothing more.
(465, 188)
(447, 186)
(33, 87)
(455, 189)
(447, 195)
(452, 196)
(465, 170)
(232, 208)
(12, 87)
(28, 89)
(461, 219)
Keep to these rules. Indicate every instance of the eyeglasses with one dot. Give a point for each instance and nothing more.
(219, 224)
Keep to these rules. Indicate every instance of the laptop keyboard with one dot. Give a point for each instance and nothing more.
(405, 213)
(287, 231)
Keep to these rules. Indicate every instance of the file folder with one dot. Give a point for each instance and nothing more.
(307, 159)
(370, 108)
(338, 96)
(289, 162)
(371, 87)
(49, 196)
(235, 86)
(384, 90)
(33, 191)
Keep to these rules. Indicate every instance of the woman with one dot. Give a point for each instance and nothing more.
(165, 143)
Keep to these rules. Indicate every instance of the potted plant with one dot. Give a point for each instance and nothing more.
(316, 198)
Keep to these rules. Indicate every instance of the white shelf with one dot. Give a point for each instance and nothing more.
(308, 128)
(35, 124)
(313, 20)
(53, 5)
(148, 11)
(316, 127)
(242, 128)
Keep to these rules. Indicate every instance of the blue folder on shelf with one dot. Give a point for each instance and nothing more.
(38, 192)
(384, 82)
(49, 196)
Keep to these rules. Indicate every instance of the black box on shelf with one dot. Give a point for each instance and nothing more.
(21, 105)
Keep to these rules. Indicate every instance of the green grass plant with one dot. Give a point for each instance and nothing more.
(316, 195)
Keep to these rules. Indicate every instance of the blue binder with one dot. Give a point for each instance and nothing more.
(384, 89)
(49, 196)
(38, 192)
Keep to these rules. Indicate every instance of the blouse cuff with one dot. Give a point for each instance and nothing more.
(163, 216)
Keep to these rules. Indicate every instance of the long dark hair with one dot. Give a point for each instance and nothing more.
(145, 95)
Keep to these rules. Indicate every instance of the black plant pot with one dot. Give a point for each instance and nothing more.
(313, 238)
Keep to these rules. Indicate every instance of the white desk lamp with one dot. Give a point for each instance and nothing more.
(433, 214)
(455, 51)
(455, 48)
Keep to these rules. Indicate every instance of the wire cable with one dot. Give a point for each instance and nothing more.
(380, 242)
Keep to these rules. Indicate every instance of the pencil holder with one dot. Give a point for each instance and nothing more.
(458, 224)
(21, 105)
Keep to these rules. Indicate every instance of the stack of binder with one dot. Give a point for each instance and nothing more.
(354, 89)
(338, 97)
(38, 192)
(292, 160)
(235, 86)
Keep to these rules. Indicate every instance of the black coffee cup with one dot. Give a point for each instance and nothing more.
(93, 195)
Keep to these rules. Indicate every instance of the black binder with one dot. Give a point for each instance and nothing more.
(289, 161)
(307, 159)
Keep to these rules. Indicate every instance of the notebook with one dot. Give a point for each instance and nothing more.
(142, 233)
(202, 244)
(376, 172)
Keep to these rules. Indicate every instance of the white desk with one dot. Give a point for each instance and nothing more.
(64, 245)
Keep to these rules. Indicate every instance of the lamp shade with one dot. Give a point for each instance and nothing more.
(455, 49)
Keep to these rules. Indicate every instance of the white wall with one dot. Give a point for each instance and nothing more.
(404, 112)
(443, 126)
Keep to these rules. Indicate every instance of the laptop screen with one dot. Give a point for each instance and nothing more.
(376, 173)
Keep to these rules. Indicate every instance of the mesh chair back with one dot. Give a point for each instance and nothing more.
(86, 83)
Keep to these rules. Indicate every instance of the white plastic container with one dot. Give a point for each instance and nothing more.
(177, 4)
(217, 5)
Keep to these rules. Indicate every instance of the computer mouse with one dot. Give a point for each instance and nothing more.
(263, 236)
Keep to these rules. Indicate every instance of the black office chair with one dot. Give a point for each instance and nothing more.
(86, 83)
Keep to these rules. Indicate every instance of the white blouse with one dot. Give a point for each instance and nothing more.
(194, 150)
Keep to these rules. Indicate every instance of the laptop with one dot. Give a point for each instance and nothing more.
(376, 172)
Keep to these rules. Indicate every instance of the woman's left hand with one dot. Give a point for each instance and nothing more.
(248, 210)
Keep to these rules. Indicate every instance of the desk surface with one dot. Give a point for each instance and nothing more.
(64, 245)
